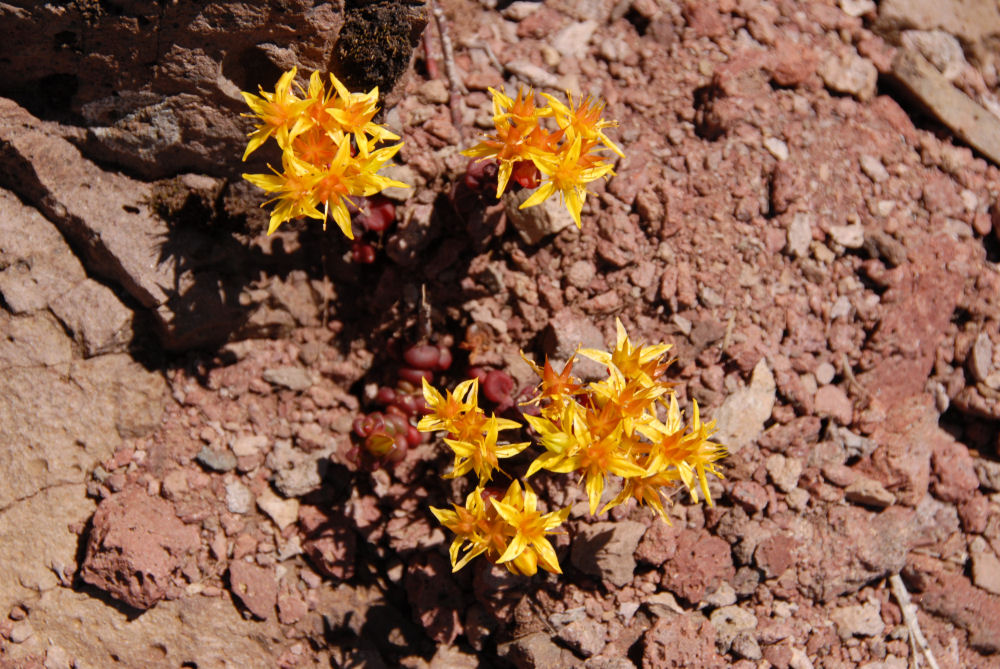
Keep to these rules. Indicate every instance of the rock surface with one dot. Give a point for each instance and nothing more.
(136, 546)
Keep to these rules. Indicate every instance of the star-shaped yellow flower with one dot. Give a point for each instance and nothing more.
(528, 548)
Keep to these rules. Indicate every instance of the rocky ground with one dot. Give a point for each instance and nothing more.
(800, 215)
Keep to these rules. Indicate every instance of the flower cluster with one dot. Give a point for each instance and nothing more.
(509, 530)
(567, 155)
(612, 427)
(628, 425)
(328, 149)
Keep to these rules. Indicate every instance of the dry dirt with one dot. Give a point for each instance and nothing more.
(178, 390)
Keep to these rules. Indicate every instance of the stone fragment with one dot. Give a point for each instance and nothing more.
(776, 148)
(291, 609)
(858, 620)
(985, 566)
(239, 498)
(574, 39)
(433, 92)
(701, 563)
(745, 645)
(729, 621)
(249, 445)
(175, 484)
(955, 478)
(740, 419)
(976, 611)
(586, 636)
(136, 544)
(848, 236)
(988, 473)
(784, 471)
(330, 542)
(852, 547)
(255, 587)
(21, 631)
(216, 460)
(607, 550)
(296, 473)
(662, 604)
(750, 495)
(799, 235)
(434, 597)
(724, 595)
(293, 378)
(980, 360)
(967, 119)
(857, 7)
(537, 650)
(538, 222)
(565, 332)
(848, 72)
(282, 511)
(686, 640)
(940, 48)
(868, 492)
(873, 168)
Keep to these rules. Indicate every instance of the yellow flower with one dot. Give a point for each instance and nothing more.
(321, 166)
(584, 119)
(354, 113)
(470, 523)
(445, 409)
(277, 111)
(568, 173)
(529, 548)
(640, 363)
(555, 390)
(295, 186)
(646, 491)
(519, 137)
(593, 456)
(481, 453)
(692, 455)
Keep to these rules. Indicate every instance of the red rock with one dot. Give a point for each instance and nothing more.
(704, 19)
(974, 514)
(792, 63)
(750, 495)
(434, 597)
(136, 545)
(832, 401)
(681, 641)
(775, 554)
(291, 609)
(954, 598)
(779, 655)
(255, 587)
(331, 543)
(658, 544)
(852, 547)
(955, 477)
(905, 439)
(702, 562)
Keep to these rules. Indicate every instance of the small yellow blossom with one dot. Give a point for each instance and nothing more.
(528, 548)
(480, 453)
(567, 155)
(328, 145)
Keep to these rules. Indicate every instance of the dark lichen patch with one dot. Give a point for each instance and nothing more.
(376, 42)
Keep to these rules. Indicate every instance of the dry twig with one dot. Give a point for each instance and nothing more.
(448, 53)
(917, 640)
